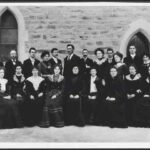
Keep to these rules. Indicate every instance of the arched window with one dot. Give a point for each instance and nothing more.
(141, 42)
(8, 34)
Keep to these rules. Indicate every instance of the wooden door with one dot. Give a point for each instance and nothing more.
(141, 42)
(8, 34)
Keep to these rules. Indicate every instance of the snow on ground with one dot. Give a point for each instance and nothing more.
(75, 134)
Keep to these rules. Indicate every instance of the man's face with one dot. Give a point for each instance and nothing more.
(110, 54)
(69, 50)
(32, 53)
(85, 53)
(55, 53)
(13, 54)
(132, 50)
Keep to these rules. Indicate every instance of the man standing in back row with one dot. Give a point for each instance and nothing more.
(10, 66)
(30, 63)
(70, 61)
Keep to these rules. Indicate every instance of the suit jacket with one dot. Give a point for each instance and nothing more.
(69, 64)
(53, 63)
(86, 66)
(27, 67)
(137, 61)
(10, 69)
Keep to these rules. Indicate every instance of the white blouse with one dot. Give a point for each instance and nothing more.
(35, 81)
(93, 88)
(3, 83)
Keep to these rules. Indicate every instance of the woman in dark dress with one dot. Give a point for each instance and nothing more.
(143, 108)
(114, 101)
(121, 67)
(45, 67)
(17, 89)
(73, 101)
(133, 93)
(92, 98)
(99, 62)
(9, 112)
(53, 109)
(35, 88)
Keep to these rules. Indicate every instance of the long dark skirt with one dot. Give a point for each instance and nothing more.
(143, 112)
(114, 114)
(32, 111)
(73, 112)
(131, 106)
(53, 111)
(9, 114)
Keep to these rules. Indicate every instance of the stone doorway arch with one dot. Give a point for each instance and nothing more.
(141, 26)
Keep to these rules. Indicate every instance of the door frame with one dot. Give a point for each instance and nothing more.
(138, 26)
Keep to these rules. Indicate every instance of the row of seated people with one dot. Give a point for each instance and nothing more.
(55, 101)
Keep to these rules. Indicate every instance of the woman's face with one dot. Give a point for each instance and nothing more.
(75, 70)
(117, 58)
(99, 54)
(93, 72)
(35, 72)
(132, 70)
(18, 70)
(46, 57)
(56, 70)
(1, 73)
(113, 72)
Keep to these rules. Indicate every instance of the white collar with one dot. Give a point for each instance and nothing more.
(55, 59)
(132, 55)
(32, 59)
(70, 56)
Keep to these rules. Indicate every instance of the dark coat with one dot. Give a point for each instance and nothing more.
(27, 67)
(45, 68)
(107, 67)
(86, 66)
(10, 69)
(69, 64)
(144, 70)
(137, 61)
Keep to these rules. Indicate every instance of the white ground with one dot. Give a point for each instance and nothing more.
(75, 134)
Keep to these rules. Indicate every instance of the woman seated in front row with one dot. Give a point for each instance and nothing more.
(9, 112)
(143, 108)
(73, 101)
(34, 101)
(114, 101)
(133, 91)
(53, 109)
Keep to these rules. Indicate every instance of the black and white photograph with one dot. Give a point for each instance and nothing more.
(75, 74)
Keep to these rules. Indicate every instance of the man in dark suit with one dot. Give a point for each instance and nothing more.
(30, 63)
(70, 61)
(132, 58)
(54, 60)
(86, 63)
(109, 62)
(10, 66)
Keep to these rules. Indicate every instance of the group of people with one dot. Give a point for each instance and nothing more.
(106, 91)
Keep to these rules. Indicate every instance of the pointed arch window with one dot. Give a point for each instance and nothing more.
(8, 34)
